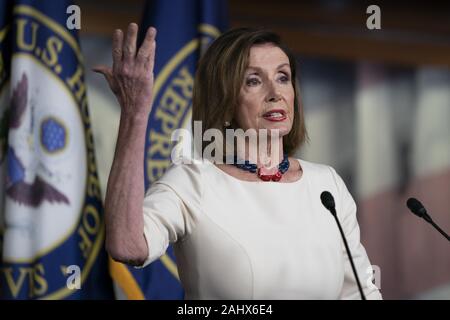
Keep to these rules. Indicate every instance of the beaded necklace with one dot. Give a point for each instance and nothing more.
(283, 166)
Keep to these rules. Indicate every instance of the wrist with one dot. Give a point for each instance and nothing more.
(134, 118)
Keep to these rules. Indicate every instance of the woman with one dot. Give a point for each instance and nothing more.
(253, 231)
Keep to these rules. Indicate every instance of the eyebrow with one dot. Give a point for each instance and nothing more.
(279, 67)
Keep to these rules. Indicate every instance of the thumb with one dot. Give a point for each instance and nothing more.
(106, 72)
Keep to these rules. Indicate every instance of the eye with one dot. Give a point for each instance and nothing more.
(284, 78)
(251, 82)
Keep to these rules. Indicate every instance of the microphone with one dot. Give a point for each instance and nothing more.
(419, 210)
(328, 202)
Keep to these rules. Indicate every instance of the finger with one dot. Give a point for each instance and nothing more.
(147, 45)
(117, 48)
(101, 69)
(106, 72)
(129, 46)
(149, 63)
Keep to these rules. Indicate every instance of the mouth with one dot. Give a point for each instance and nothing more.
(275, 115)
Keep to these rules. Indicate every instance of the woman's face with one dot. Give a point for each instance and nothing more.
(267, 93)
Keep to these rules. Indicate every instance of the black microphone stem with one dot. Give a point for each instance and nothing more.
(416, 207)
(349, 254)
(440, 230)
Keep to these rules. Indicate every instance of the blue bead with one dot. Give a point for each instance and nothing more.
(246, 165)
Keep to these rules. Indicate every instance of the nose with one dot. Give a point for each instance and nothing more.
(273, 95)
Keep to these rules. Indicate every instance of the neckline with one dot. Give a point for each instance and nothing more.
(230, 177)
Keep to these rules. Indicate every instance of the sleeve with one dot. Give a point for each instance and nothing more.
(171, 207)
(347, 216)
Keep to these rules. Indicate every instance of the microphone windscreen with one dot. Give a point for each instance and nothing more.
(327, 200)
(416, 207)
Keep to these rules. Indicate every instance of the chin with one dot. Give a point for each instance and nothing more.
(284, 129)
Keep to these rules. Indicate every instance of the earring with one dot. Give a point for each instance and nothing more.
(227, 124)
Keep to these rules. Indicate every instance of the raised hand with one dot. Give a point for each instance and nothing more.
(131, 76)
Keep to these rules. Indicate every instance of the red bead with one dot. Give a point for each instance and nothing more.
(264, 177)
(270, 177)
(277, 176)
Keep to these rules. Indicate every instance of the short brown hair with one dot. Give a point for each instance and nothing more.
(220, 75)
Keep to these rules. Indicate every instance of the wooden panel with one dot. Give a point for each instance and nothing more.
(102, 17)
(413, 33)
